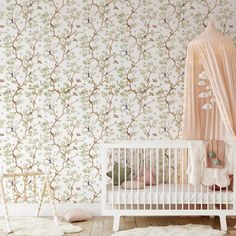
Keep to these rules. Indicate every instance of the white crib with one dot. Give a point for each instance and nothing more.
(171, 195)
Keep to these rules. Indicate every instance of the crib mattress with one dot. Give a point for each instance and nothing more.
(180, 194)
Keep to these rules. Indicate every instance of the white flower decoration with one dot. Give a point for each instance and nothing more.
(207, 106)
(208, 93)
(201, 83)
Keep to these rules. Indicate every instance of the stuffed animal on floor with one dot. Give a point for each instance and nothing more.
(124, 173)
(76, 215)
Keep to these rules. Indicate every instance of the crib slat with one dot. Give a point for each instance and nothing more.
(234, 182)
(201, 198)
(157, 178)
(176, 175)
(144, 162)
(182, 180)
(214, 196)
(150, 160)
(169, 154)
(132, 167)
(220, 198)
(112, 179)
(163, 177)
(188, 196)
(138, 197)
(119, 200)
(208, 200)
(188, 184)
(227, 198)
(125, 177)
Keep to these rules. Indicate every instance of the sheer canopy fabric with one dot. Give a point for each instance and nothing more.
(210, 90)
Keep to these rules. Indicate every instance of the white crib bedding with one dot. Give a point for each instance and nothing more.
(182, 194)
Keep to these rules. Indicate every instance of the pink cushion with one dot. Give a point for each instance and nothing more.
(149, 178)
(75, 215)
(135, 184)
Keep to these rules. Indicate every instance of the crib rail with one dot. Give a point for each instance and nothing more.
(150, 178)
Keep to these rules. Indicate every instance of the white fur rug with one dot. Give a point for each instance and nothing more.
(172, 230)
(32, 226)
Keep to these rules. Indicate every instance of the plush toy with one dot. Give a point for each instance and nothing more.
(123, 170)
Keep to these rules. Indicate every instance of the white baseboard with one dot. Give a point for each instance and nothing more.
(26, 209)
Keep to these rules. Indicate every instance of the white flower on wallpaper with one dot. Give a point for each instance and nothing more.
(76, 73)
(206, 93)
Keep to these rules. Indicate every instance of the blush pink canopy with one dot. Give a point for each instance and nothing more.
(210, 87)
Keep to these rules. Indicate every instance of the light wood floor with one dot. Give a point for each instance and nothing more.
(102, 226)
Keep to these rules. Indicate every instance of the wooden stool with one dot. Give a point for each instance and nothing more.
(46, 186)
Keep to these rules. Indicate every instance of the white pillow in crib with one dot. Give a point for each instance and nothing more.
(75, 215)
(135, 184)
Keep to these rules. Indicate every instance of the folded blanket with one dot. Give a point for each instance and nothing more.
(215, 154)
(198, 172)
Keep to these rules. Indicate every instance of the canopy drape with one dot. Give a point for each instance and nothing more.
(210, 88)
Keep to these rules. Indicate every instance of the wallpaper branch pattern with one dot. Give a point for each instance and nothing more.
(77, 73)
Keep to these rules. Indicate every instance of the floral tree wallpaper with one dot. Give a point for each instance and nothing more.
(76, 73)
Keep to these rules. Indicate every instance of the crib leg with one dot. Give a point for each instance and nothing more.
(223, 223)
(2, 195)
(116, 223)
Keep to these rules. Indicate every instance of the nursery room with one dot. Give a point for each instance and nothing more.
(117, 117)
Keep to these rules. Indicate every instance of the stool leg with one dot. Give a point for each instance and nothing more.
(8, 226)
(41, 198)
(51, 200)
